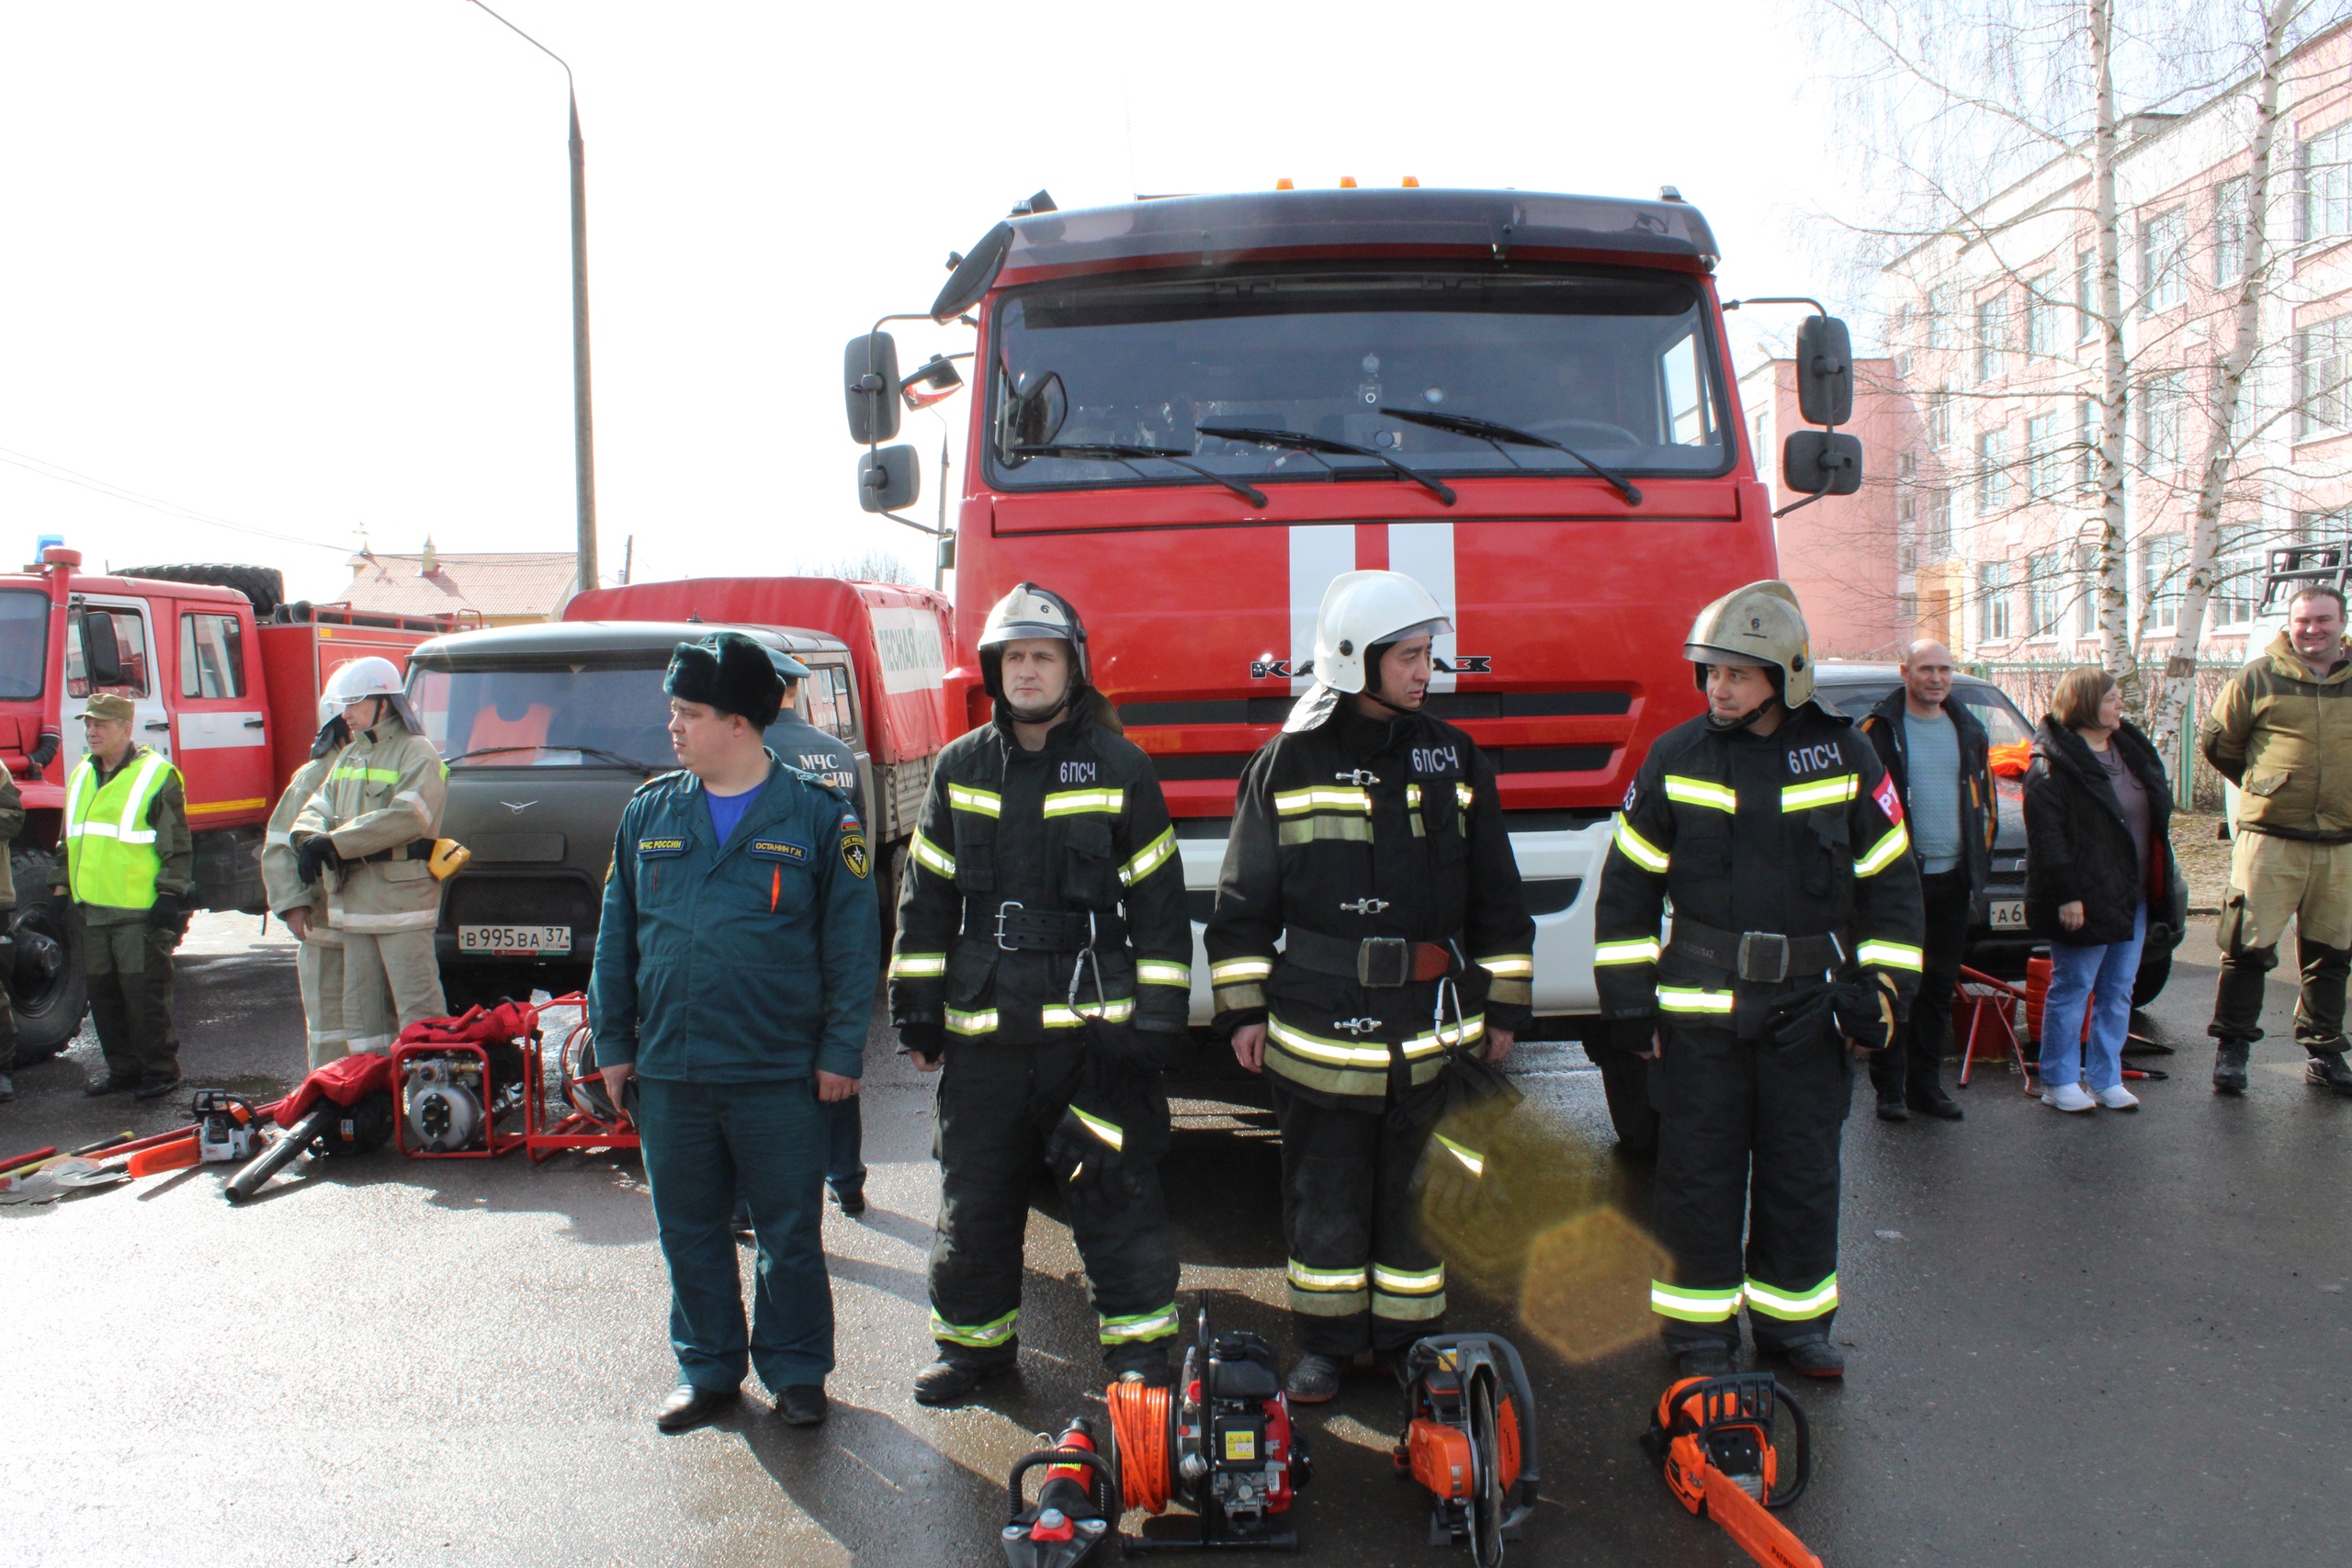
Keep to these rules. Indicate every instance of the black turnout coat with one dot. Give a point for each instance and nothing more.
(2078, 847)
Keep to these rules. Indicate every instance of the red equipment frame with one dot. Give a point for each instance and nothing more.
(1984, 1012)
(575, 1128)
(494, 1143)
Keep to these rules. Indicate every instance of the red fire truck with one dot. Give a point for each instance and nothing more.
(225, 677)
(1192, 413)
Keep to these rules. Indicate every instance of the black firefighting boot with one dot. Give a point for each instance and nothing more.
(2229, 1066)
(1314, 1381)
(947, 1382)
(1140, 1363)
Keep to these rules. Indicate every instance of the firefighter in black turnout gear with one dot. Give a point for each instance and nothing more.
(1044, 952)
(1368, 841)
(1778, 838)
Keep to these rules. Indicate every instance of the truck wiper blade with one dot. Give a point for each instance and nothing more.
(1119, 452)
(1494, 434)
(646, 768)
(1298, 441)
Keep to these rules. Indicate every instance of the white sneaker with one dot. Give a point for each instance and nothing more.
(2069, 1097)
(2119, 1099)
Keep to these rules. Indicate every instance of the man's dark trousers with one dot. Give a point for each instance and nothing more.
(1916, 1060)
(129, 970)
(845, 1145)
(704, 1142)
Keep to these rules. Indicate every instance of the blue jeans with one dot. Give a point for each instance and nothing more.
(702, 1142)
(2101, 976)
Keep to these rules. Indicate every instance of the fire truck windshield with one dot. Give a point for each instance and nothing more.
(531, 716)
(1617, 366)
(24, 644)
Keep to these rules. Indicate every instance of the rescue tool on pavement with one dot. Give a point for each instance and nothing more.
(1470, 1440)
(1713, 1439)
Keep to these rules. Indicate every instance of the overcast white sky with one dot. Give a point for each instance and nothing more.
(304, 268)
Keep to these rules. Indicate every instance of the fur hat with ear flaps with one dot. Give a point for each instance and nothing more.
(729, 672)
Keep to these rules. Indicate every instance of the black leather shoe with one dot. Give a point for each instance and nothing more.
(1935, 1103)
(801, 1405)
(689, 1407)
(851, 1199)
(2328, 1070)
(1892, 1109)
(1815, 1358)
(2229, 1066)
(1314, 1381)
(951, 1382)
(1703, 1361)
(156, 1087)
(113, 1083)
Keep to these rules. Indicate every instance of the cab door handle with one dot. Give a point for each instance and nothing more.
(256, 724)
(164, 725)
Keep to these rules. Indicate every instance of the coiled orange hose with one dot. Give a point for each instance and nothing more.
(1147, 1468)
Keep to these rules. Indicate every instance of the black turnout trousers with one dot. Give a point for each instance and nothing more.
(998, 1103)
(1748, 1136)
(1362, 1275)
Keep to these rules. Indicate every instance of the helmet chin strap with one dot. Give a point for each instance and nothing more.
(1732, 726)
(1071, 695)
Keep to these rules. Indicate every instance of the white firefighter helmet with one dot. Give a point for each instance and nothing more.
(373, 676)
(1361, 611)
(1030, 611)
(1762, 624)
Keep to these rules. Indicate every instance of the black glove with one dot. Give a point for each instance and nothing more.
(169, 913)
(928, 1039)
(317, 854)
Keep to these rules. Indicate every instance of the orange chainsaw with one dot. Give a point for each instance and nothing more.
(1713, 1439)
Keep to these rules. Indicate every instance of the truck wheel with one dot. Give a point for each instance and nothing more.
(264, 585)
(1625, 1080)
(2156, 968)
(47, 989)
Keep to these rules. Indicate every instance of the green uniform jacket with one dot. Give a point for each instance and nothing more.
(744, 962)
(2284, 736)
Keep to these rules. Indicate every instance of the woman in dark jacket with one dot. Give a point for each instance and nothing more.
(2098, 851)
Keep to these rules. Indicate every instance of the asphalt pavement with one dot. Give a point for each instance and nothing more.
(2102, 1339)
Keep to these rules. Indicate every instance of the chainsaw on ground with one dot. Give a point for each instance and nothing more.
(1713, 1438)
(1469, 1439)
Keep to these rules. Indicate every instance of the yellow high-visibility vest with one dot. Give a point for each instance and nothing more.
(111, 855)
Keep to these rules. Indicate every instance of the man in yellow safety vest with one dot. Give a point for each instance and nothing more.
(131, 865)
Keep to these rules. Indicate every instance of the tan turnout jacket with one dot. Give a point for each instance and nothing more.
(385, 791)
(281, 879)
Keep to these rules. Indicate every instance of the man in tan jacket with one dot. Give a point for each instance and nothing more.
(368, 830)
(318, 959)
(2282, 733)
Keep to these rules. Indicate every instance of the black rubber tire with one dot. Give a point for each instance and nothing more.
(47, 1008)
(1625, 1080)
(2156, 968)
(264, 585)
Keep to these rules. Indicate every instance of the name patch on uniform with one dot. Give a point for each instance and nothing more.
(854, 850)
(661, 847)
(1816, 759)
(781, 849)
(1077, 772)
(1437, 759)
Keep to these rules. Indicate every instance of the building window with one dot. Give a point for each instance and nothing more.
(2237, 577)
(2086, 437)
(1939, 540)
(2160, 562)
(1939, 418)
(2231, 210)
(2044, 456)
(2086, 296)
(2086, 590)
(1906, 490)
(2327, 168)
(1992, 335)
(2322, 357)
(1907, 557)
(213, 657)
(2160, 409)
(2163, 260)
(1906, 609)
(2041, 316)
(2045, 592)
(1992, 471)
(1992, 602)
(1940, 318)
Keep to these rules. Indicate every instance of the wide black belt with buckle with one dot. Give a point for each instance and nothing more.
(419, 849)
(1766, 957)
(1017, 929)
(1372, 961)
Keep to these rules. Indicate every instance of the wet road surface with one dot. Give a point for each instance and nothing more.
(2092, 1340)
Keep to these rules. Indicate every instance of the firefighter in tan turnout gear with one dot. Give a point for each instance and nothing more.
(1778, 838)
(318, 960)
(367, 832)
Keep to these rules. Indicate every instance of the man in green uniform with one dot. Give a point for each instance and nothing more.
(131, 865)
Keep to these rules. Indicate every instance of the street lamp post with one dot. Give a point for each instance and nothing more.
(583, 424)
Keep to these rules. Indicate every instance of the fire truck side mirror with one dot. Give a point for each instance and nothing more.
(1034, 414)
(1824, 371)
(101, 655)
(889, 479)
(870, 380)
(1821, 462)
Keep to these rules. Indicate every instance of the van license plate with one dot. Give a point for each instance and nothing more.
(513, 940)
(2007, 914)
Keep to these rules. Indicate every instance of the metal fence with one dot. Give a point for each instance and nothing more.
(2196, 786)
